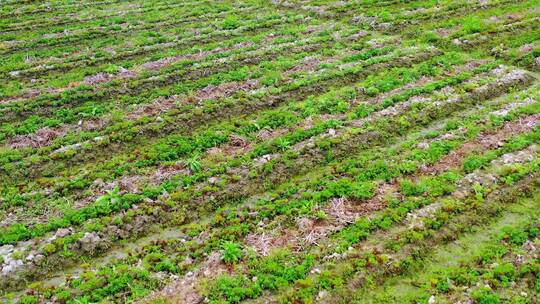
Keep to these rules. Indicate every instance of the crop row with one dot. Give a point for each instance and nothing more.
(128, 214)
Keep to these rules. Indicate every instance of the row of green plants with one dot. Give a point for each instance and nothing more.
(152, 21)
(339, 190)
(84, 65)
(177, 145)
(163, 125)
(234, 253)
(491, 265)
(445, 271)
(167, 26)
(272, 119)
(182, 68)
(370, 267)
(339, 126)
(76, 70)
(24, 8)
(237, 288)
(157, 192)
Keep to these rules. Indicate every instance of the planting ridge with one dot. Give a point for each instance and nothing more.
(304, 151)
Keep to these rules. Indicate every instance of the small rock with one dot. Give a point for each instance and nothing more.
(264, 159)
(447, 136)
(6, 249)
(12, 266)
(514, 75)
(38, 258)
(334, 255)
(7, 269)
(537, 62)
(423, 145)
(30, 257)
(384, 26)
(62, 232)
(322, 294)
(90, 241)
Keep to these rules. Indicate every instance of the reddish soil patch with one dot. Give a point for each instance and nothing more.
(483, 142)
(98, 78)
(225, 89)
(157, 107)
(165, 172)
(264, 243)
(45, 136)
(42, 137)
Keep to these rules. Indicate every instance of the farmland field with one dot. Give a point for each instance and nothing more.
(310, 151)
